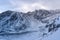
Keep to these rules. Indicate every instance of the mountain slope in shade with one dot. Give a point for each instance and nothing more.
(38, 24)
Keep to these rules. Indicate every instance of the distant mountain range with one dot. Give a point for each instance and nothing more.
(42, 21)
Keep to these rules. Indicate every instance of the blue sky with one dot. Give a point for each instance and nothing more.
(28, 5)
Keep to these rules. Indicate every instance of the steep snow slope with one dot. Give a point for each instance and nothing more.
(34, 25)
(54, 36)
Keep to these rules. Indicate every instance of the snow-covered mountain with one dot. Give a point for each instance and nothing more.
(38, 24)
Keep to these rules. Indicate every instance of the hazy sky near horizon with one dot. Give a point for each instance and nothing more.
(28, 5)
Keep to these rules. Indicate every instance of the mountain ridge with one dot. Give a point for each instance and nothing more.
(42, 21)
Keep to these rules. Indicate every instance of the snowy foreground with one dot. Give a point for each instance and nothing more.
(36, 25)
(32, 36)
(54, 36)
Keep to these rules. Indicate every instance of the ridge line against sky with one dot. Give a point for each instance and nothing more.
(28, 5)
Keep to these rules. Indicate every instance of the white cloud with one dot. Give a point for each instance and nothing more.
(25, 7)
(34, 6)
(29, 5)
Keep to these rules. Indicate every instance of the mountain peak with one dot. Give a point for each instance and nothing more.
(42, 21)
